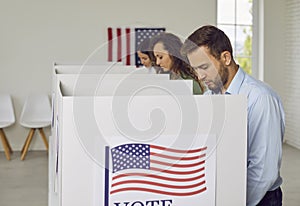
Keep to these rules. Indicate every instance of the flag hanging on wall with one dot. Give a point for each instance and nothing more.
(122, 43)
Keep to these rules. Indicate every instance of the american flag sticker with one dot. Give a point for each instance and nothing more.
(158, 171)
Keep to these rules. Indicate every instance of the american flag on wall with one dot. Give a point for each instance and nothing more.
(122, 43)
(160, 170)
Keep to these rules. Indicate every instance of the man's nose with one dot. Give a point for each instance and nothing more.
(201, 74)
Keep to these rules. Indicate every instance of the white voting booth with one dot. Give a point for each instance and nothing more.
(192, 148)
(101, 80)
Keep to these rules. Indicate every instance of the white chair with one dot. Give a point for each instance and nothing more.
(36, 114)
(7, 118)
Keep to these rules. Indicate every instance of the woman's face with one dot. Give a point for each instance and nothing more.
(145, 59)
(162, 56)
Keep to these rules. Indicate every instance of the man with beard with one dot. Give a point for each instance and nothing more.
(209, 52)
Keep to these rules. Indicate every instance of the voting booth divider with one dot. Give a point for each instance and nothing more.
(140, 139)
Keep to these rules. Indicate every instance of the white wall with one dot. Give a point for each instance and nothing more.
(292, 72)
(35, 33)
(274, 13)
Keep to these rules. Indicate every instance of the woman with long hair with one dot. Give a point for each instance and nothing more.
(166, 49)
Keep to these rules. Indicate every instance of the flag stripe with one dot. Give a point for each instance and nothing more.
(177, 165)
(159, 184)
(159, 177)
(110, 44)
(176, 158)
(159, 191)
(119, 47)
(132, 47)
(177, 150)
(128, 46)
(177, 172)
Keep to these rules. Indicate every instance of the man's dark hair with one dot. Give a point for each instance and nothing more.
(209, 36)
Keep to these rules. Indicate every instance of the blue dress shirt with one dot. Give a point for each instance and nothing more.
(265, 131)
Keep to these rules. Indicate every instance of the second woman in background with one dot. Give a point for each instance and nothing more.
(166, 49)
(146, 57)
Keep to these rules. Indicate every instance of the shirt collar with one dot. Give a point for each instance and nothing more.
(236, 82)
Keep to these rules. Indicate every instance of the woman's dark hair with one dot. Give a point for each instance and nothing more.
(145, 48)
(172, 44)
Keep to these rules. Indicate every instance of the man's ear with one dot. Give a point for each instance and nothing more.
(226, 58)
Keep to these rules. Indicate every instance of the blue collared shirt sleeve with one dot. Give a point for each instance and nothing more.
(265, 133)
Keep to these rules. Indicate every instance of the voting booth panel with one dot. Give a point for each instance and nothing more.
(98, 74)
(93, 69)
(93, 131)
(91, 84)
(111, 84)
(86, 63)
(102, 69)
(138, 139)
(101, 73)
(75, 70)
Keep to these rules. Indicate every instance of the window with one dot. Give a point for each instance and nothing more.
(234, 17)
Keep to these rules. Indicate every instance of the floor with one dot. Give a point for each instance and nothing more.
(290, 170)
(24, 183)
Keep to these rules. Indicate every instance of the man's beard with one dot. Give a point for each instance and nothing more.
(218, 86)
(220, 81)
